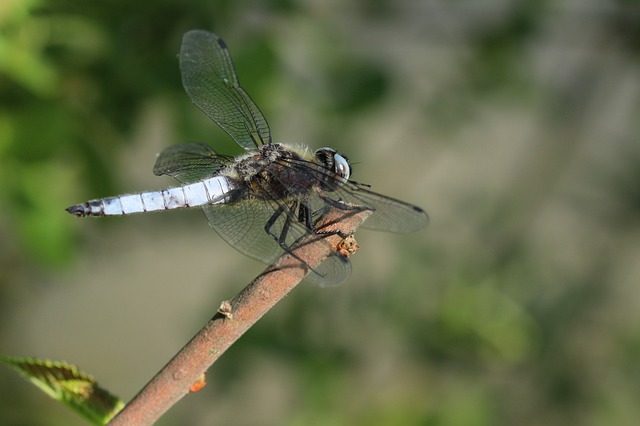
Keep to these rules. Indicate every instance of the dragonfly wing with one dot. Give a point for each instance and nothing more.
(389, 214)
(332, 272)
(189, 162)
(210, 80)
(242, 225)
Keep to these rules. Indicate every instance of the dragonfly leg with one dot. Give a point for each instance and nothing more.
(342, 206)
(305, 216)
(281, 239)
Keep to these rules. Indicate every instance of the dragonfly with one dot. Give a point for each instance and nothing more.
(266, 200)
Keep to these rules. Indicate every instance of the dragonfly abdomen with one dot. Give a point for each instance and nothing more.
(209, 191)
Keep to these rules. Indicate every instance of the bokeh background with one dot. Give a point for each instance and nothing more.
(513, 123)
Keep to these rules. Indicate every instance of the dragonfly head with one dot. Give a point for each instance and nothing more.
(336, 164)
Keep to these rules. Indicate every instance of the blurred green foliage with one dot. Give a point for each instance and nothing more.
(517, 306)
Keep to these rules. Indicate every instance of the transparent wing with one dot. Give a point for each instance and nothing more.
(189, 162)
(389, 214)
(210, 81)
(332, 272)
(242, 225)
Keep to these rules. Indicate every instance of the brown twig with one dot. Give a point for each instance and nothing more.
(233, 319)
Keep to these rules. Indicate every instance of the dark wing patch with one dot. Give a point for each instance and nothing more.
(189, 162)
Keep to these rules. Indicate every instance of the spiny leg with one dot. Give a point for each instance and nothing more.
(281, 239)
(305, 215)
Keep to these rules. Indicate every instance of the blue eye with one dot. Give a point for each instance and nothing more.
(342, 166)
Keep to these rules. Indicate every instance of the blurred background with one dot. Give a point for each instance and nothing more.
(513, 123)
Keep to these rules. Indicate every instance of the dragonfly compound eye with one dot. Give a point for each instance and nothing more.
(341, 166)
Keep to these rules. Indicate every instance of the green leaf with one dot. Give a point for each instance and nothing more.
(65, 383)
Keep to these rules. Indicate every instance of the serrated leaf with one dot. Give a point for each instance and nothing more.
(64, 382)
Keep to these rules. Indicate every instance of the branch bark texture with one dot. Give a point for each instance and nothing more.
(233, 319)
